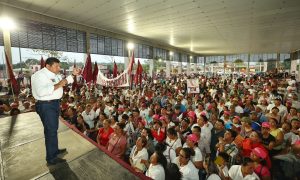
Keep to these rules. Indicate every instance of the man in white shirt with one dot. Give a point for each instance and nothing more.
(244, 171)
(277, 103)
(89, 116)
(47, 88)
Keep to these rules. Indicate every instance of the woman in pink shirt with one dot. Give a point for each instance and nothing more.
(259, 156)
(117, 141)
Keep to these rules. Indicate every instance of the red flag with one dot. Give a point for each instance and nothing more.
(74, 85)
(115, 71)
(131, 63)
(42, 62)
(95, 73)
(11, 76)
(87, 72)
(138, 74)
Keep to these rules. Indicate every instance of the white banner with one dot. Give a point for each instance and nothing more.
(122, 80)
(193, 85)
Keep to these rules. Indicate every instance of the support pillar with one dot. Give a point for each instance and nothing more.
(180, 68)
(7, 47)
(151, 67)
(168, 69)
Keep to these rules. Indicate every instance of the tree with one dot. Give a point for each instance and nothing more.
(49, 53)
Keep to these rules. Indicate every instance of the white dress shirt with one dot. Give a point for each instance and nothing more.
(42, 83)
(89, 118)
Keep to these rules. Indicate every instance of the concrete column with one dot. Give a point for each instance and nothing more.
(224, 67)
(88, 44)
(248, 66)
(188, 68)
(204, 64)
(277, 61)
(168, 69)
(126, 62)
(293, 66)
(180, 68)
(7, 46)
(195, 67)
(265, 66)
(151, 67)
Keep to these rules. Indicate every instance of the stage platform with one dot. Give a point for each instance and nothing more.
(22, 154)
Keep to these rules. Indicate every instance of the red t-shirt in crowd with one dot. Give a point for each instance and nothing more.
(262, 171)
(104, 136)
(158, 135)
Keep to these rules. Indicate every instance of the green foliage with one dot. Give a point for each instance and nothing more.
(48, 53)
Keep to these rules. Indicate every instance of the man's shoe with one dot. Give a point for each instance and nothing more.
(56, 161)
(62, 151)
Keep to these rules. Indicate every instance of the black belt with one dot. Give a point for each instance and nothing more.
(47, 101)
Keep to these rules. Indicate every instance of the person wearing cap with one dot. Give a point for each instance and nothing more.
(192, 142)
(259, 155)
(226, 117)
(267, 139)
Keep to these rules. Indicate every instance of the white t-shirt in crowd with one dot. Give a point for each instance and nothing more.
(136, 159)
(189, 172)
(235, 173)
(156, 172)
(198, 155)
(213, 177)
(170, 154)
(174, 143)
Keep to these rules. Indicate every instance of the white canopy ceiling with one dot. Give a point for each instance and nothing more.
(201, 26)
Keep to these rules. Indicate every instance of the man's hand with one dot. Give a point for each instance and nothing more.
(76, 71)
(60, 84)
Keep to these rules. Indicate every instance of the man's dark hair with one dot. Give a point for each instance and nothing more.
(246, 161)
(51, 60)
(125, 116)
(232, 132)
(221, 121)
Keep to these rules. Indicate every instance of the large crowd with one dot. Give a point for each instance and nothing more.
(234, 128)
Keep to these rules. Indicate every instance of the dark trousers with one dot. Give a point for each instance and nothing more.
(49, 114)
